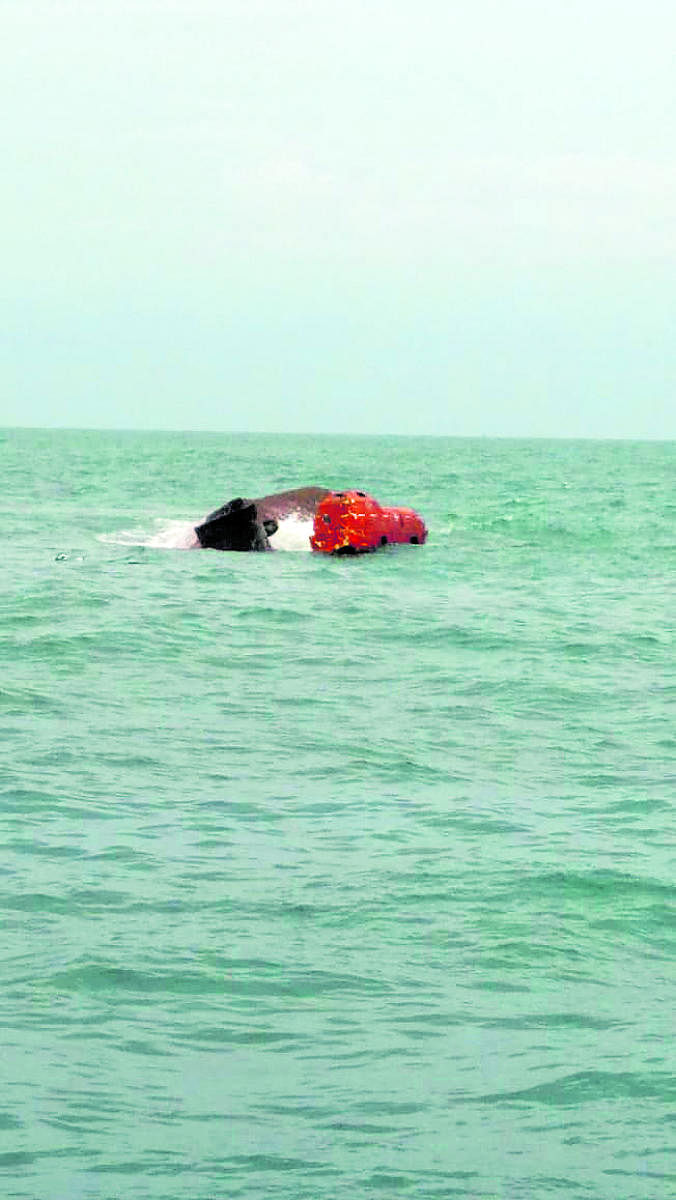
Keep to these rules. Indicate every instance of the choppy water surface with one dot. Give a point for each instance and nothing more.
(337, 878)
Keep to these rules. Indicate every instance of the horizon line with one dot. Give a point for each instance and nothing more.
(467, 437)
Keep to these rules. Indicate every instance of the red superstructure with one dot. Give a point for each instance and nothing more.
(353, 523)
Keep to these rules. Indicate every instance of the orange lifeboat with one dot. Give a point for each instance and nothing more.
(354, 523)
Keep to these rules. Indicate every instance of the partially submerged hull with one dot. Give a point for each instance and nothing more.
(349, 522)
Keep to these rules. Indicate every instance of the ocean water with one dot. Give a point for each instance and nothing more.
(334, 878)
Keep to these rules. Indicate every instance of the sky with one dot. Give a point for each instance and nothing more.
(365, 216)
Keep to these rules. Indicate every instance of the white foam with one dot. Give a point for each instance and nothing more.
(174, 535)
(293, 533)
(169, 535)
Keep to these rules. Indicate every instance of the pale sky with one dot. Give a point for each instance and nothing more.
(340, 216)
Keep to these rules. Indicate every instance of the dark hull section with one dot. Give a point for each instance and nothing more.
(235, 526)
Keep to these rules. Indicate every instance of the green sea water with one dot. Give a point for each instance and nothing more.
(335, 878)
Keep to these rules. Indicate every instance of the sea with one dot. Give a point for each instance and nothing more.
(337, 878)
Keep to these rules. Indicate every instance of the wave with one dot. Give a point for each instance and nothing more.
(169, 534)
